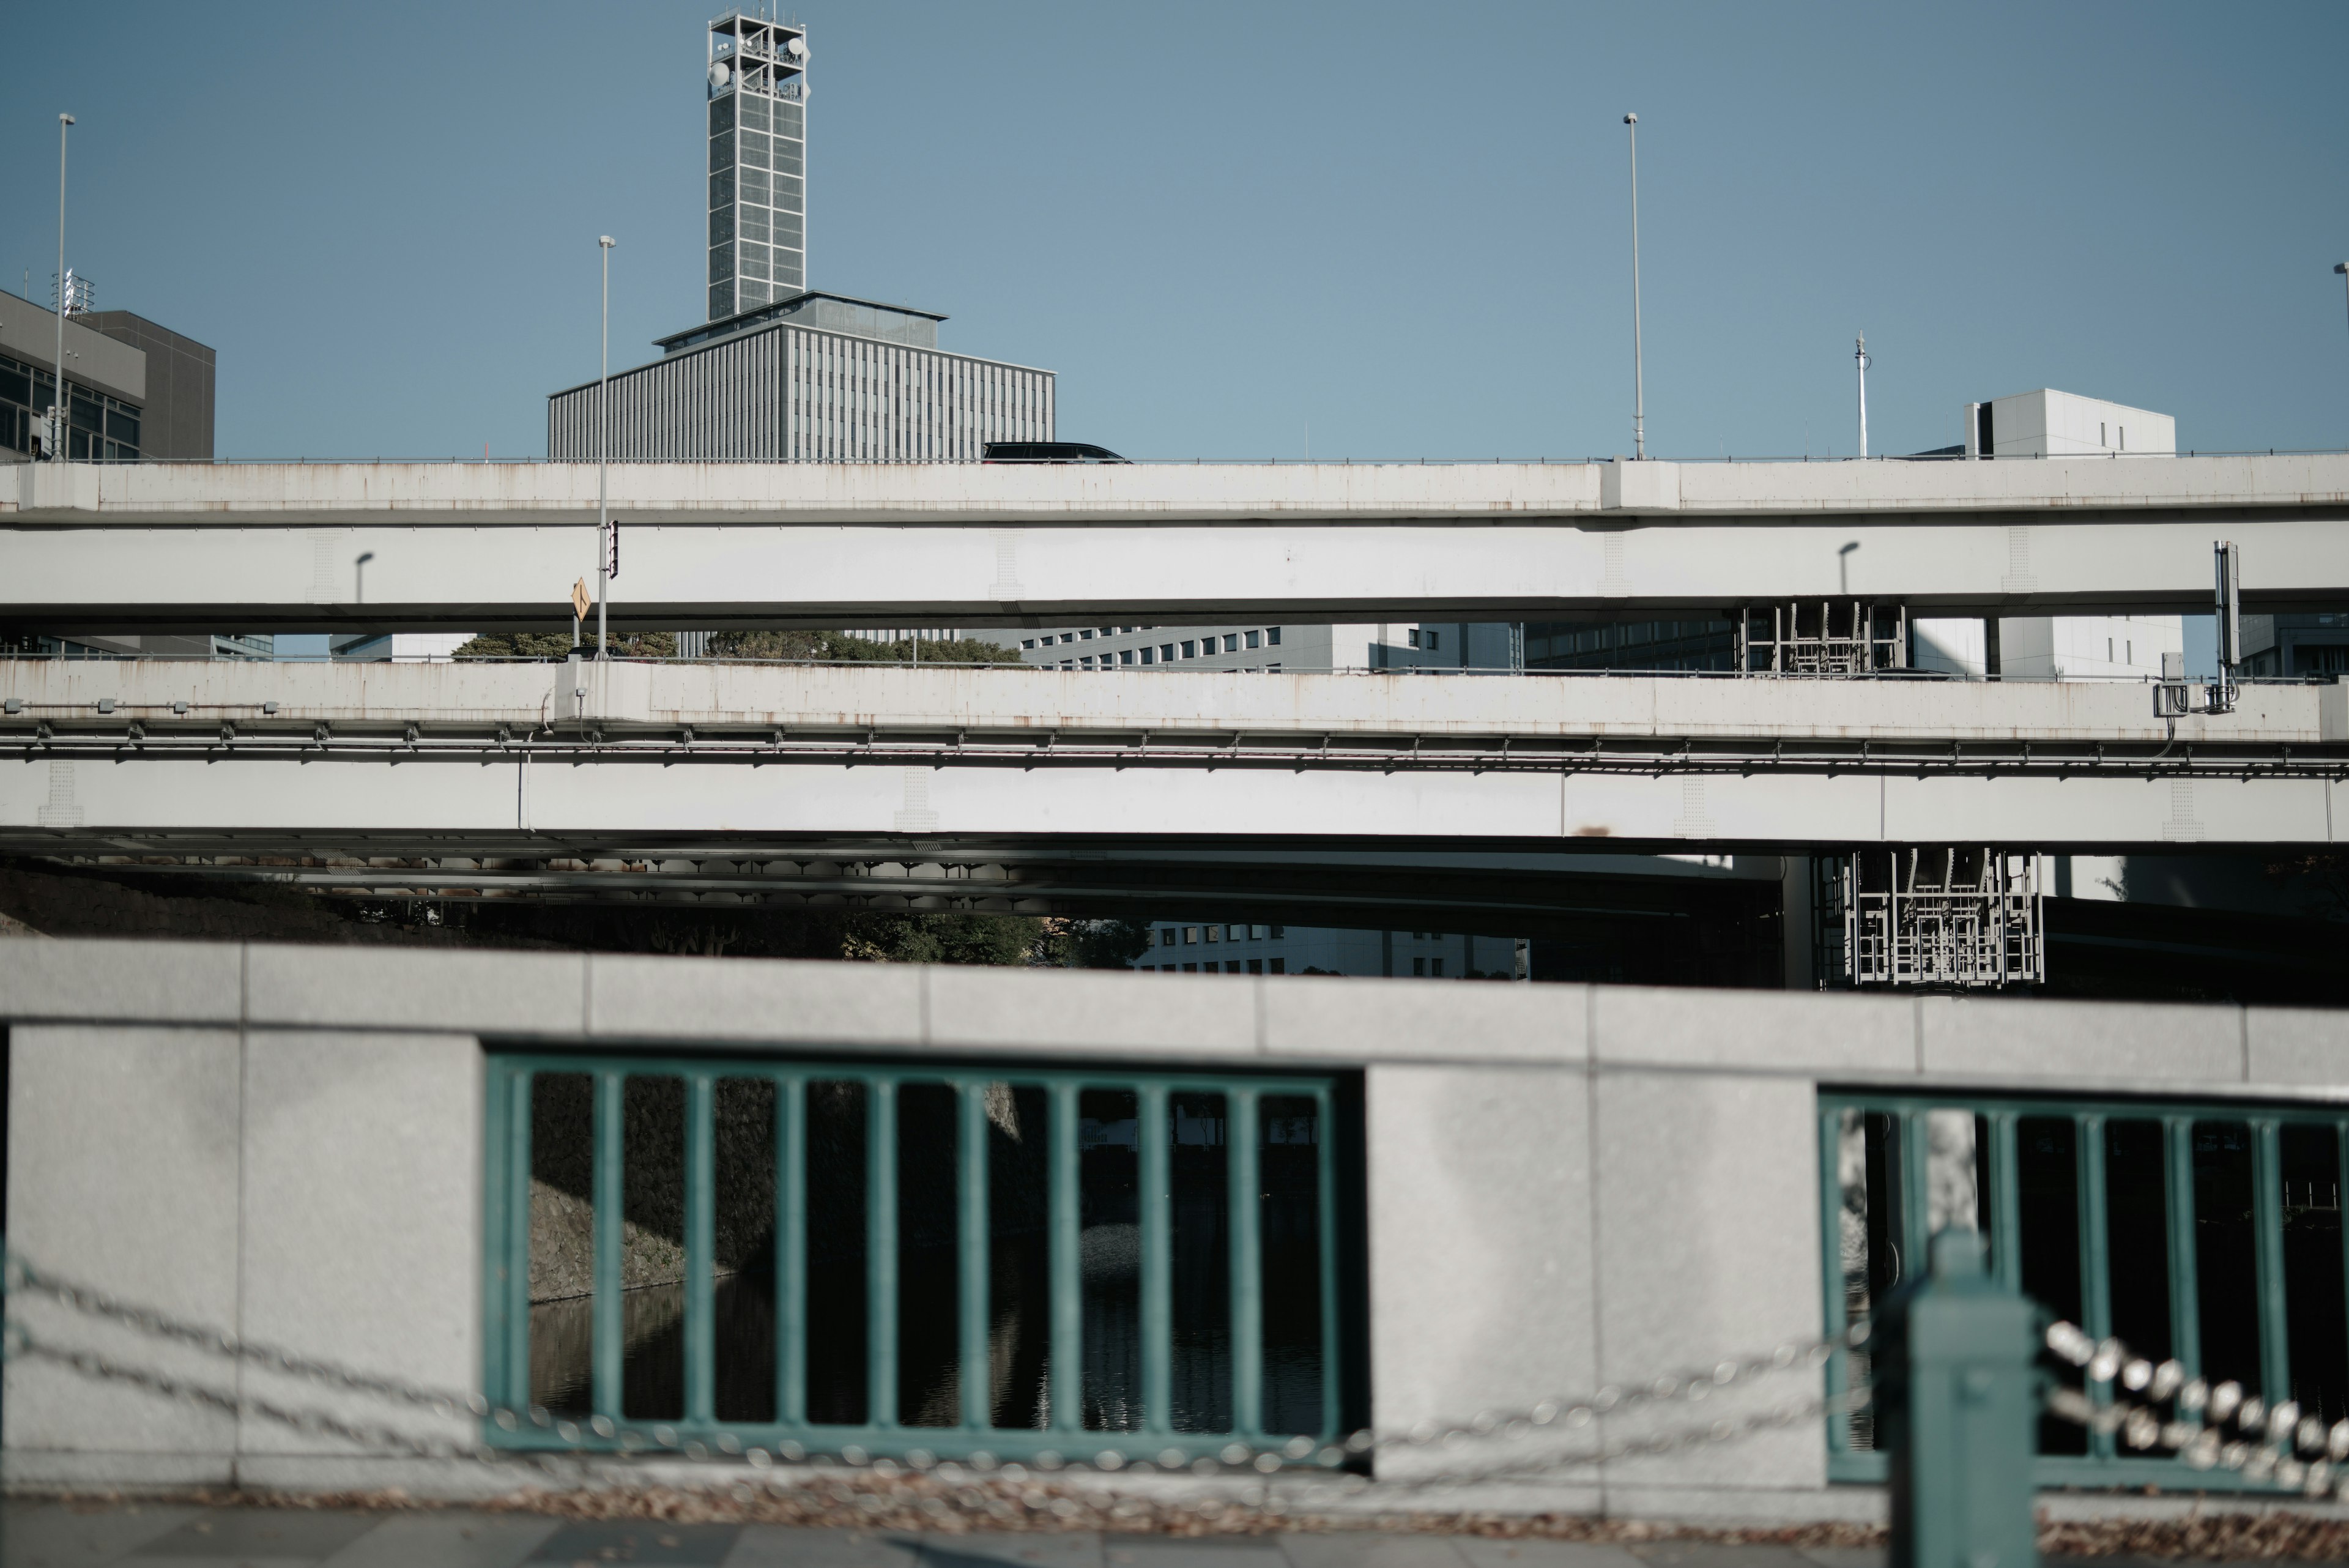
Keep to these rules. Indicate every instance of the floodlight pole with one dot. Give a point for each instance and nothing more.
(60, 416)
(2342, 268)
(1860, 358)
(604, 459)
(1639, 371)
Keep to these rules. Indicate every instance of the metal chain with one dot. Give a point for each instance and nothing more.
(664, 1440)
(2270, 1441)
(20, 1345)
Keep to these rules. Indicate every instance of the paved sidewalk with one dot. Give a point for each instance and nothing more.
(52, 1535)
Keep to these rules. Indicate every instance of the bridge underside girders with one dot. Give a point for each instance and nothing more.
(1538, 898)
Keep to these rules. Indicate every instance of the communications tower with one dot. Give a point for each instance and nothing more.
(758, 162)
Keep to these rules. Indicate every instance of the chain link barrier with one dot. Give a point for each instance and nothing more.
(600, 1440)
(2210, 1427)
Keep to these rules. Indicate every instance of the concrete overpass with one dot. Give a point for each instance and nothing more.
(991, 786)
(323, 547)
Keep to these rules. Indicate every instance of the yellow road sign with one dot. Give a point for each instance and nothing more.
(580, 603)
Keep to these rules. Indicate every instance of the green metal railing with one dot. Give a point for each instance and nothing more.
(2209, 1233)
(1235, 1207)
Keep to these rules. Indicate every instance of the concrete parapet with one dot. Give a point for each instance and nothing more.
(1567, 1186)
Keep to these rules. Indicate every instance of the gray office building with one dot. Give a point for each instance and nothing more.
(816, 377)
(758, 163)
(779, 372)
(139, 390)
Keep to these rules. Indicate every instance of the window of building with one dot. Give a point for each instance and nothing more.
(1434, 640)
(1190, 934)
(1435, 967)
(1278, 932)
(1419, 966)
(1067, 664)
(1190, 650)
(1214, 933)
(1125, 655)
(1231, 642)
(1231, 966)
(1252, 642)
(1190, 968)
(1166, 936)
(1280, 966)
(1166, 652)
(1260, 934)
(1106, 631)
(1272, 668)
(1256, 966)
(1087, 633)
(1272, 636)
(1086, 662)
(1413, 635)
(1029, 642)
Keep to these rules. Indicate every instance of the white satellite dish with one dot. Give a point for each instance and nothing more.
(717, 74)
(798, 46)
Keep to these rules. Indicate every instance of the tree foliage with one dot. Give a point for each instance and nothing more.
(813, 647)
(558, 645)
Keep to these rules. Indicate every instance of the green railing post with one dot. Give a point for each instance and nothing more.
(1956, 1396)
(607, 1325)
(700, 1250)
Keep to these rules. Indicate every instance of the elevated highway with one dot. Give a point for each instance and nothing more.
(759, 781)
(386, 546)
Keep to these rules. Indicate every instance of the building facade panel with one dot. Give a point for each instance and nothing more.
(791, 393)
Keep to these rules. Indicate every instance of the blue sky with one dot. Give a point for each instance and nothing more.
(1403, 227)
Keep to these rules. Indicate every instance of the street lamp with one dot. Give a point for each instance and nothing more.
(1860, 358)
(58, 418)
(603, 458)
(1638, 380)
(2342, 268)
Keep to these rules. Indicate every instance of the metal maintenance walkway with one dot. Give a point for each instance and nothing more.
(386, 546)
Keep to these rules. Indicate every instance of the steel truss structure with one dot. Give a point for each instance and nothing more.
(1832, 639)
(1956, 918)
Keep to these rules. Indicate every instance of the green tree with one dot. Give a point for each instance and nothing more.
(840, 648)
(909, 936)
(557, 644)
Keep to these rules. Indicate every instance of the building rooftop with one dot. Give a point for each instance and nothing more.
(814, 307)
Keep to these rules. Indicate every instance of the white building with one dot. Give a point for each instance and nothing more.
(1272, 649)
(2048, 423)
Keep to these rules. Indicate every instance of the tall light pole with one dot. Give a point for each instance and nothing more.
(604, 457)
(1638, 373)
(1860, 358)
(2342, 268)
(60, 417)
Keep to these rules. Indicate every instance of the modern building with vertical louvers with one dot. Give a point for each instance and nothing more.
(817, 377)
(779, 372)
